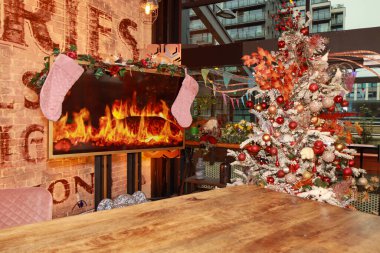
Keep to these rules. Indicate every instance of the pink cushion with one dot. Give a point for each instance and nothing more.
(24, 206)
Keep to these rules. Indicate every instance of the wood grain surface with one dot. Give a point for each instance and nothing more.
(233, 219)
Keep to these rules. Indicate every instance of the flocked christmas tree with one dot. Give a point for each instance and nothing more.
(299, 143)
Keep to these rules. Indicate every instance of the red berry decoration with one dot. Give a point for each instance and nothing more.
(338, 99)
(264, 105)
(280, 120)
(313, 87)
(347, 172)
(281, 43)
(211, 139)
(241, 157)
(280, 174)
(293, 125)
(326, 179)
(270, 180)
(331, 109)
(351, 163)
(305, 31)
(280, 99)
(274, 151)
(345, 103)
(249, 104)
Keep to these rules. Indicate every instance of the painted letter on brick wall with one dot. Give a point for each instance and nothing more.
(128, 38)
(14, 22)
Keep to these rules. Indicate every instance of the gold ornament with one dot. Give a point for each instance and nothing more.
(266, 137)
(314, 120)
(362, 181)
(258, 108)
(307, 175)
(300, 108)
(272, 109)
(339, 147)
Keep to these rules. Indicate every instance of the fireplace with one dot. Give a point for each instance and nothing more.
(113, 115)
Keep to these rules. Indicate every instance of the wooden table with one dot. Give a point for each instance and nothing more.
(233, 219)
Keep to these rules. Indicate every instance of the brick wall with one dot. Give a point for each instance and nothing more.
(29, 30)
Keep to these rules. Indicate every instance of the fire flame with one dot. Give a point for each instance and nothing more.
(124, 125)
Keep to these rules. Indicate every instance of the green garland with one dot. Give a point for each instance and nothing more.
(100, 68)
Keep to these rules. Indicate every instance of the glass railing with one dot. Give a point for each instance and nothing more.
(318, 1)
(242, 3)
(321, 16)
(337, 21)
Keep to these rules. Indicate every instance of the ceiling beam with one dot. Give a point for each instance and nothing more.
(195, 56)
(186, 4)
(213, 25)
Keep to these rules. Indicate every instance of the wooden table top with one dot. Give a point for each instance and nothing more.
(233, 219)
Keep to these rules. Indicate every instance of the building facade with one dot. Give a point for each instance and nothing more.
(254, 19)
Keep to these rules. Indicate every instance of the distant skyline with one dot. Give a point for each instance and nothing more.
(360, 13)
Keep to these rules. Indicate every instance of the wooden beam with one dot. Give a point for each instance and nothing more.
(195, 56)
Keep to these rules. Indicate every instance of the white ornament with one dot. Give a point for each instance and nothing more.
(327, 102)
(290, 178)
(307, 154)
(315, 106)
(328, 157)
(286, 170)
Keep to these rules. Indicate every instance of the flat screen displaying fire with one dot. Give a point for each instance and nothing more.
(113, 115)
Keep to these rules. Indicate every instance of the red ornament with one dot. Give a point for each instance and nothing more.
(338, 167)
(319, 144)
(241, 157)
(286, 53)
(268, 149)
(280, 99)
(319, 151)
(331, 109)
(345, 103)
(255, 149)
(351, 163)
(293, 125)
(326, 179)
(277, 163)
(305, 31)
(249, 104)
(338, 99)
(274, 151)
(280, 120)
(347, 172)
(313, 87)
(281, 43)
(280, 174)
(264, 105)
(270, 180)
(314, 170)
